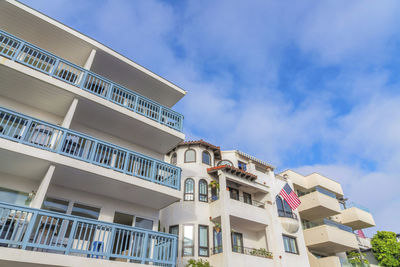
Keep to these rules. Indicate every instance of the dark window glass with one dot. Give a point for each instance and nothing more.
(237, 242)
(144, 223)
(203, 240)
(122, 218)
(290, 244)
(206, 158)
(85, 211)
(247, 198)
(174, 229)
(279, 205)
(203, 191)
(234, 193)
(288, 209)
(217, 235)
(242, 165)
(188, 194)
(54, 204)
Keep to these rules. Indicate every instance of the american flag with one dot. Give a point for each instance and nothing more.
(290, 196)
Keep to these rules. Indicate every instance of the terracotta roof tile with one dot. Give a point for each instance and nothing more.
(215, 149)
(237, 171)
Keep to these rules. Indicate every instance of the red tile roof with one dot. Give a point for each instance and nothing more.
(233, 170)
(215, 149)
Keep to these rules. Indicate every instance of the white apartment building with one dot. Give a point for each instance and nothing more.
(228, 213)
(83, 134)
(329, 219)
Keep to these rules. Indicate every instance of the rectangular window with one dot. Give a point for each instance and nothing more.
(247, 198)
(290, 244)
(242, 165)
(54, 204)
(174, 229)
(144, 223)
(123, 218)
(188, 240)
(14, 197)
(217, 234)
(85, 211)
(237, 242)
(234, 193)
(203, 240)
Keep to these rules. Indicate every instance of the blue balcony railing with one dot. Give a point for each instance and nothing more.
(32, 56)
(46, 231)
(325, 192)
(338, 225)
(33, 132)
(355, 205)
(311, 224)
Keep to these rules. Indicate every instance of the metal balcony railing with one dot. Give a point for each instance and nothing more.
(260, 252)
(46, 231)
(33, 132)
(355, 205)
(308, 225)
(287, 214)
(32, 56)
(250, 201)
(318, 189)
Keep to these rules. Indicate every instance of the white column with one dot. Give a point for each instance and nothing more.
(70, 114)
(225, 221)
(89, 61)
(43, 187)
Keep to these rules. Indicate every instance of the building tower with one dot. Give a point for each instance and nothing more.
(228, 213)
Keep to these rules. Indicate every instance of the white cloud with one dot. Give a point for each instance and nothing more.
(230, 60)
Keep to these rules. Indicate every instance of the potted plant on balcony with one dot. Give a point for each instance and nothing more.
(214, 184)
(217, 227)
(198, 263)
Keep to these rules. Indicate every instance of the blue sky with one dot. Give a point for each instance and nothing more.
(310, 86)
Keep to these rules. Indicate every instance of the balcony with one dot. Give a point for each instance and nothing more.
(319, 203)
(50, 232)
(32, 132)
(34, 57)
(243, 256)
(251, 202)
(329, 237)
(356, 217)
(289, 221)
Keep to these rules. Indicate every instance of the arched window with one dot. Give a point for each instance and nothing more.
(283, 207)
(279, 205)
(206, 157)
(173, 158)
(188, 194)
(224, 162)
(203, 191)
(288, 210)
(190, 155)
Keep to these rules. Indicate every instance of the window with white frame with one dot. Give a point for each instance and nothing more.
(188, 194)
(190, 155)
